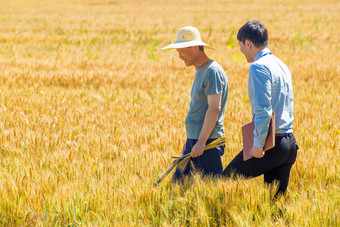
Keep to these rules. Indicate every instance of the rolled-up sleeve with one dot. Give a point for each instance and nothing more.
(260, 80)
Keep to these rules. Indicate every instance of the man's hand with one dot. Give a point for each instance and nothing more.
(257, 152)
(198, 149)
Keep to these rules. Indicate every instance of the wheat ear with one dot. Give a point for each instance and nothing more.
(182, 161)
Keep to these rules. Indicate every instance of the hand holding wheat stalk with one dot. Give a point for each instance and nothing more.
(182, 161)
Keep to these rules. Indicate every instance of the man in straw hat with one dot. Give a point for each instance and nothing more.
(204, 122)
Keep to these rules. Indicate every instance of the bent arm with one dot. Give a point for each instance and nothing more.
(211, 116)
(214, 108)
(260, 79)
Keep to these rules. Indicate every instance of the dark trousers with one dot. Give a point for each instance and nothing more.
(275, 164)
(209, 163)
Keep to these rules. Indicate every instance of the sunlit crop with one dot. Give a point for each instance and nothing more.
(91, 111)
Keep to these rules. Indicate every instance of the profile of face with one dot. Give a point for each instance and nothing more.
(245, 49)
(187, 54)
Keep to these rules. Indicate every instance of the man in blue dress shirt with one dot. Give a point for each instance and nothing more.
(270, 90)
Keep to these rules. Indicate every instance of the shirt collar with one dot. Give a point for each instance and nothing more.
(261, 54)
(205, 64)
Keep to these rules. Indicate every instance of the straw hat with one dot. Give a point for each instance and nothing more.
(187, 37)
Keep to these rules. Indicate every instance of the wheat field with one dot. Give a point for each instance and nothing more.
(91, 111)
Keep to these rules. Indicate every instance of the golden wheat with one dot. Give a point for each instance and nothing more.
(182, 161)
(91, 110)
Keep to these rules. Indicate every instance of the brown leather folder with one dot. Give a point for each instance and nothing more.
(248, 137)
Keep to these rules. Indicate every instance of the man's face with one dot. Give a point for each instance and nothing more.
(187, 54)
(244, 48)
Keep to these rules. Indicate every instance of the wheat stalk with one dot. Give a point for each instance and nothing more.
(182, 161)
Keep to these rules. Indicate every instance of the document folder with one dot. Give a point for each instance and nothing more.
(248, 137)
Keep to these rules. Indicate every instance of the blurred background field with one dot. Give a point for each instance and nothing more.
(91, 112)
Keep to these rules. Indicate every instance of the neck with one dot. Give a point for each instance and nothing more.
(256, 51)
(201, 59)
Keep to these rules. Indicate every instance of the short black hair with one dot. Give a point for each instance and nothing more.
(254, 31)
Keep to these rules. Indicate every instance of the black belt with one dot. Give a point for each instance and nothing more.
(283, 134)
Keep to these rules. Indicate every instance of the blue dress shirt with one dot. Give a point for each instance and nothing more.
(270, 89)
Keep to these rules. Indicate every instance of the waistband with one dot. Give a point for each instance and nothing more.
(284, 134)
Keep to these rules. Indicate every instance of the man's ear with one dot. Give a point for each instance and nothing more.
(249, 44)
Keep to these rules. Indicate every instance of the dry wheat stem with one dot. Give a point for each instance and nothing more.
(182, 161)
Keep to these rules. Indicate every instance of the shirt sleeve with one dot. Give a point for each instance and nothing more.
(260, 79)
(213, 83)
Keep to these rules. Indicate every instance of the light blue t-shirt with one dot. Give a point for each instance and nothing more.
(210, 79)
(270, 89)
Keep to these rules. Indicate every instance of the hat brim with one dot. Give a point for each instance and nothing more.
(179, 45)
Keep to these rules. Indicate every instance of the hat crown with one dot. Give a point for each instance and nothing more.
(187, 37)
(187, 34)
